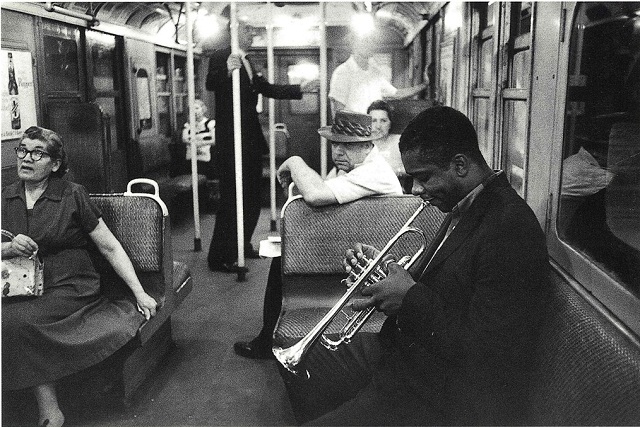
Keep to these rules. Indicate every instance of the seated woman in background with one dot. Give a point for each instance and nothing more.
(387, 143)
(49, 337)
(205, 138)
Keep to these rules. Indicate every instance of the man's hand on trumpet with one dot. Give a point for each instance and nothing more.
(387, 294)
(355, 256)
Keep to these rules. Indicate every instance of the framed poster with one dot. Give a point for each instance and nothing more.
(18, 94)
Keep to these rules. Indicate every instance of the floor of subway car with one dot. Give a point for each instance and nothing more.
(203, 381)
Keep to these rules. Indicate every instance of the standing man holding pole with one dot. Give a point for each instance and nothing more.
(223, 251)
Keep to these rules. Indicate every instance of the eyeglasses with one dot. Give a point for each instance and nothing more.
(36, 155)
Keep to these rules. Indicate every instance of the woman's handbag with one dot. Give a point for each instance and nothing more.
(21, 275)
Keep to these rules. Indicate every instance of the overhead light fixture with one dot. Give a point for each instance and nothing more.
(453, 15)
(362, 24)
(296, 30)
(207, 26)
(91, 19)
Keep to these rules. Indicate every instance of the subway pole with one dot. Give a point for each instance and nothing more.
(191, 90)
(323, 87)
(237, 139)
(272, 123)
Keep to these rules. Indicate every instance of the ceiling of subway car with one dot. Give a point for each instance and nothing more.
(160, 18)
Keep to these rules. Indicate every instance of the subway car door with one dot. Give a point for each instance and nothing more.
(144, 128)
(106, 89)
(302, 117)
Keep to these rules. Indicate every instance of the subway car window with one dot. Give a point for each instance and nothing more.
(484, 70)
(61, 57)
(599, 211)
(102, 50)
(179, 73)
(515, 95)
(163, 88)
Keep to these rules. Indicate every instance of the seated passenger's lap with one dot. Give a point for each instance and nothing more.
(341, 383)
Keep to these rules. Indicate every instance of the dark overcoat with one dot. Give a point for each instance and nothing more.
(223, 246)
(465, 335)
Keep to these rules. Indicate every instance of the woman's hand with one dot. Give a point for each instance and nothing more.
(146, 305)
(112, 250)
(21, 245)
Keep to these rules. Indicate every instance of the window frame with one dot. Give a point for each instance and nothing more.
(617, 301)
(509, 44)
(479, 36)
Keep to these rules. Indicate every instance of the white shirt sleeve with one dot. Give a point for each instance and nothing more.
(371, 178)
(339, 85)
(387, 88)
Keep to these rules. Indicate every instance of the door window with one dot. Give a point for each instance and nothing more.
(61, 57)
(516, 75)
(483, 92)
(300, 73)
(106, 82)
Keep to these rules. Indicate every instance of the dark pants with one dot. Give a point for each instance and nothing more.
(272, 303)
(350, 387)
(224, 243)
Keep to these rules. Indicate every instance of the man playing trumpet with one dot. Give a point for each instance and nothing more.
(457, 345)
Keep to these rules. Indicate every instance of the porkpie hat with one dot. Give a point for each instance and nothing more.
(348, 126)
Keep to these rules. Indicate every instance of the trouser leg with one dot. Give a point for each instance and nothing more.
(223, 247)
(272, 302)
(359, 384)
(252, 197)
(335, 377)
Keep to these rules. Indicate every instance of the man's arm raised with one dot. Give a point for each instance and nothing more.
(309, 183)
(407, 92)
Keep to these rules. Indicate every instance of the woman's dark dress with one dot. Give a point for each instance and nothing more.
(71, 326)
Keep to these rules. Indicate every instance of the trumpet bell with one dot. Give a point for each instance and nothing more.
(289, 358)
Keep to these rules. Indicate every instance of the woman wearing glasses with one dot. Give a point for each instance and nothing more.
(47, 338)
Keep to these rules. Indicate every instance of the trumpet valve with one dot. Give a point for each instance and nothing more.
(346, 315)
(328, 344)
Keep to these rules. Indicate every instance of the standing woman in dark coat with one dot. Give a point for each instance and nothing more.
(68, 328)
(223, 251)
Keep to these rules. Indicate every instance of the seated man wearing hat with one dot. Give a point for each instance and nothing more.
(360, 171)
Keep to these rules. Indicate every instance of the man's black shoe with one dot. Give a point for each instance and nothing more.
(227, 267)
(253, 350)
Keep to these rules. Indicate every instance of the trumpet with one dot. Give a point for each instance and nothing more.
(292, 357)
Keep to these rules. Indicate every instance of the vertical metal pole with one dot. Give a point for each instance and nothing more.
(237, 139)
(323, 87)
(191, 90)
(272, 124)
